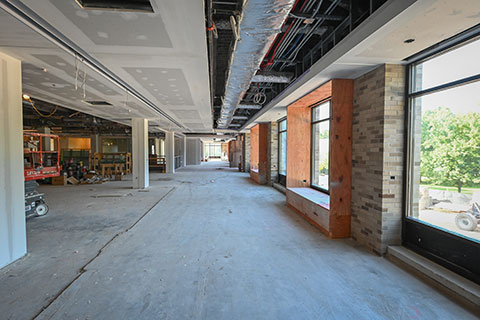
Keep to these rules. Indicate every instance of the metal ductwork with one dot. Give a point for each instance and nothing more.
(259, 23)
(272, 77)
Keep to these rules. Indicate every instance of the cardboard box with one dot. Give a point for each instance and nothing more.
(59, 181)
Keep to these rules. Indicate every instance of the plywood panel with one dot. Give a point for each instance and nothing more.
(258, 153)
(341, 157)
(298, 146)
(254, 136)
(321, 93)
(299, 152)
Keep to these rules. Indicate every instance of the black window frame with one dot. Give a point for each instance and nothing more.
(329, 119)
(448, 249)
(282, 178)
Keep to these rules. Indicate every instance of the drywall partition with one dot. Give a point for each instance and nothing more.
(194, 152)
(13, 241)
(258, 153)
(329, 212)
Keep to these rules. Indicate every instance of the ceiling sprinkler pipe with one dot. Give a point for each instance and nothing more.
(260, 22)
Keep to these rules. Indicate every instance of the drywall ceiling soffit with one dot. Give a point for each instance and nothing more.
(380, 39)
(52, 75)
(171, 39)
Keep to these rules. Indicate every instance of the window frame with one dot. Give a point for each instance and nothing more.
(312, 141)
(282, 178)
(418, 235)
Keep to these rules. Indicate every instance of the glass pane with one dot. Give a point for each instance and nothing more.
(282, 125)
(321, 112)
(453, 65)
(445, 170)
(320, 156)
(282, 161)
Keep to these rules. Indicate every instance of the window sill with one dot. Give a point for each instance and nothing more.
(315, 196)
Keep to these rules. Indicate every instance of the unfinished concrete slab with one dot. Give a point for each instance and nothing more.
(245, 255)
(79, 224)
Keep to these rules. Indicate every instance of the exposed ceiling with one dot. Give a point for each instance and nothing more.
(380, 39)
(162, 55)
(38, 114)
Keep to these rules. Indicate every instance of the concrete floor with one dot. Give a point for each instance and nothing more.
(216, 247)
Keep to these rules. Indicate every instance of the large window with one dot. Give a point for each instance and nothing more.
(213, 150)
(321, 146)
(282, 151)
(443, 171)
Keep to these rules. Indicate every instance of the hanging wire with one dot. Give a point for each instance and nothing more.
(38, 111)
(76, 72)
(84, 84)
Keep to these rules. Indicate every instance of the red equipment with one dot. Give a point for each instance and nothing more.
(39, 161)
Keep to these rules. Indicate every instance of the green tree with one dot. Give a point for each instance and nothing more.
(450, 149)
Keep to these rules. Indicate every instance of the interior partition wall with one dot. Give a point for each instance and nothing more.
(443, 163)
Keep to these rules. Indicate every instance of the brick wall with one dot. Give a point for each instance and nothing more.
(246, 152)
(272, 149)
(377, 157)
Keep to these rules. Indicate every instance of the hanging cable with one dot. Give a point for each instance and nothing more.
(84, 84)
(76, 72)
(38, 111)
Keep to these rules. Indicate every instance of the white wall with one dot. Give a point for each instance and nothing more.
(194, 151)
(13, 241)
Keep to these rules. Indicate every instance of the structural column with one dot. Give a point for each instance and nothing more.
(95, 143)
(13, 241)
(157, 146)
(140, 153)
(185, 151)
(170, 151)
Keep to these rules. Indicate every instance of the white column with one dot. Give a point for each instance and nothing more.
(185, 151)
(157, 147)
(140, 153)
(94, 144)
(170, 151)
(13, 237)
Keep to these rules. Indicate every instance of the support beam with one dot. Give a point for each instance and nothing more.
(157, 146)
(170, 151)
(140, 153)
(95, 143)
(13, 238)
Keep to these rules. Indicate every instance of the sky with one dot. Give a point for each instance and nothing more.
(451, 66)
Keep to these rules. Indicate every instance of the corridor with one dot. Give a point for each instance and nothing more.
(222, 247)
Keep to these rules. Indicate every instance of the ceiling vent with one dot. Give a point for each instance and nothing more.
(117, 5)
(97, 103)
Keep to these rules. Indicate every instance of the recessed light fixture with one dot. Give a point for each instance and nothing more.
(44, 69)
(409, 40)
(124, 5)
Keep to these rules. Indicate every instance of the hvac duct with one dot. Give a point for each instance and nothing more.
(260, 22)
(272, 77)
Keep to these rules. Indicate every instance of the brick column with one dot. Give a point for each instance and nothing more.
(377, 154)
(272, 150)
